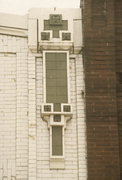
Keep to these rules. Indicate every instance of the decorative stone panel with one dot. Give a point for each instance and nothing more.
(56, 24)
(66, 36)
(56, 19)
(45, 36)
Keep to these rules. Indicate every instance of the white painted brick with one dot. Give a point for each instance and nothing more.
(24, 136)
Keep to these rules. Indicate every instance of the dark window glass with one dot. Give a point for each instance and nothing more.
(56, 79)
(57, 144)
(47, 108)
(57, 118)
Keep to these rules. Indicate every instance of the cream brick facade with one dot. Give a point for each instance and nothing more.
(24, 135)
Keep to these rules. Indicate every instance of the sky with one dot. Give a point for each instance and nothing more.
(22, 6)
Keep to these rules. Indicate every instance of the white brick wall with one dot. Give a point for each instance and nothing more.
(81, 124)
(13, 108)
(32, 117)
(22, 110)
(24, 136)
(75, 159)
(7, 115)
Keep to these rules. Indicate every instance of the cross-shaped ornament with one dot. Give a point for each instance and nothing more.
(56, 24)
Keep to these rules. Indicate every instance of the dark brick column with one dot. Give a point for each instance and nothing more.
(118, 32)
(100, 79)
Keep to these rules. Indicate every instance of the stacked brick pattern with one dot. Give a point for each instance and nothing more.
(7, 116)
(32, 157)
(100, 80)
(13, 108)
(22, 111)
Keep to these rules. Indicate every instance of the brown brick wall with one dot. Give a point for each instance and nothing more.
(118, 33)
(100, 79)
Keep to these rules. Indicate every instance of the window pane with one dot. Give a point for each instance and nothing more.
(57, 144)
(56, 78)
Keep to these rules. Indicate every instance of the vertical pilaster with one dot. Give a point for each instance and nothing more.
(80, 119)
(32, 117)
(21, 111)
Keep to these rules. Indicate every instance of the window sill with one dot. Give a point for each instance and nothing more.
(57, 163)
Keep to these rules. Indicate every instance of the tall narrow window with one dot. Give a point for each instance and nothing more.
(56, 109)
(56, 93)
(56, 79)
(57, 142)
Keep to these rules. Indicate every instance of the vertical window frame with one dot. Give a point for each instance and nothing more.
(44, 73)
(63, 154)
